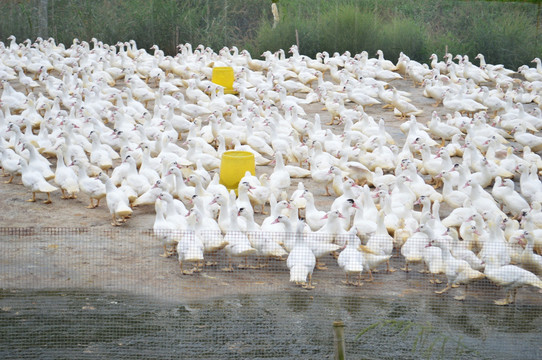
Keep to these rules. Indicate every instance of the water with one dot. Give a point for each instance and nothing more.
(286, 325)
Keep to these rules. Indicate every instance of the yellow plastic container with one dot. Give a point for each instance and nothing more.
(223, 76)
(233, 166)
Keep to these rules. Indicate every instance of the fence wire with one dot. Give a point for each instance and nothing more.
(94, 293)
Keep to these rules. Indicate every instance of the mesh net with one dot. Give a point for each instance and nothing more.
(90, 293)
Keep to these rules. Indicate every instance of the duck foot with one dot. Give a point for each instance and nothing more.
(455, 285)
(211, 263)
(321, 267)
(307, 286)
(502, 302)
(48, 201)
(228, 269)
(436, 281)
(460, 298)
(243, 266)
(391, 270)
(405, 269)
(188, 272)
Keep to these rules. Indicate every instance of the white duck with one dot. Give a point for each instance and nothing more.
(279, 180)
(510, 277)
(190, 247)
(10, 163)
(117, 201)
(238, 242)
(262, 241)
(457, 271)
(66, 178)
(164, 230)
(92, 187)
(350, 259)
(528, 259)
(33, 179)
(381, 242)
(301, 260)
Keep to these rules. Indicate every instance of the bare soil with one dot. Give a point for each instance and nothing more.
(40, 250)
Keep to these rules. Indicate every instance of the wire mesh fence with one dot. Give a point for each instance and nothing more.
(106, 293)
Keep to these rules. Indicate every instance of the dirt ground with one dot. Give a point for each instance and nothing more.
(127, 258)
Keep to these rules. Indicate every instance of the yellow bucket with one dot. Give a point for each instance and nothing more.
(223, 76)
(233, 166)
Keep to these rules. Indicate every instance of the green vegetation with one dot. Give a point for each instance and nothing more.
(427, 342)
(505, 32)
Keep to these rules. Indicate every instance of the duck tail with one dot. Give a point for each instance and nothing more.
(298, 273)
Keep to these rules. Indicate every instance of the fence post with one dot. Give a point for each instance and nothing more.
(338, 330)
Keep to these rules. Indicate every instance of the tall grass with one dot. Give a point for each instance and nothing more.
(506, 33)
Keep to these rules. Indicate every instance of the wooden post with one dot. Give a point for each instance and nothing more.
(340, 350)
(43, 19)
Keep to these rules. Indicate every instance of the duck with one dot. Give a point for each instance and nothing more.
(363, 224)
(180, 189)
(190, 249)
(243, 200)
(208, 230)
(133, 179)
(510, 277)
(333, 229)
(350, 190)
(403, 108)
(238, 244)
(527, 139)
(117, 201)
(495, 246)
(458, 102)
(515, 204)
(279, 180)
(301, 260)
(313, 216)
(453, 198)
(528, 260)
(442, 130)
(431, 255)
(381, 242)
(530, 185)
(164, 230)
(350, 259)
(412, 249)
(263, 242)
(10, 163)
(149, 196)
(33, 179)
(66, 178)
(460, 250)
(91, 186)
(38, 162)
(481, 200)
(102, 155)
(457, 271)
